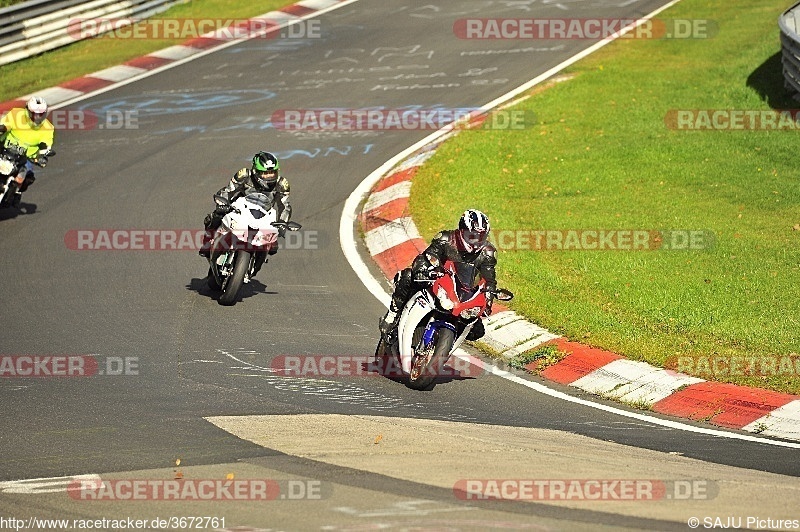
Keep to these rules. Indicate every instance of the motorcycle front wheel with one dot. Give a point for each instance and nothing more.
(212, 281)
(5, 199)
(424, 371)
(236, 280)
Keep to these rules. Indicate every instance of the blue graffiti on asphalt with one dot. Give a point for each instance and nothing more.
(257, 124)
(249, 125)
(180, 102)
(270, 46)
(324, 152)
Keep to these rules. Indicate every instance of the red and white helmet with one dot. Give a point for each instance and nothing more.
(37, 110)
(473, 230)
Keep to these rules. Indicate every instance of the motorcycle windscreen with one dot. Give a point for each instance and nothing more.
(260, 199)
(467, 276)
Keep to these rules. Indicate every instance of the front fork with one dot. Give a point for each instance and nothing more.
(426, 346)
(430, 332)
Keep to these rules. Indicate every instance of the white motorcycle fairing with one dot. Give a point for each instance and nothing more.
(240, 223)
(418, 307)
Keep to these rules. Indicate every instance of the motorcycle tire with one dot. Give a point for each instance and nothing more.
(212, 281)
(424, 378)
(236, 280)
(5, 199)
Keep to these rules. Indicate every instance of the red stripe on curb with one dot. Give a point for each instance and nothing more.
(201, 43)
(384, 214)
(581, 362)
(148, 62)
(726, 405)
(477, 121)
(400, 256)
(499, 307)
(86, 84)
(7, 106)
(297, 10)
(395, 178)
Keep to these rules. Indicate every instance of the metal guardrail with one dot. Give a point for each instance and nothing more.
(36, 26)
(789, 23)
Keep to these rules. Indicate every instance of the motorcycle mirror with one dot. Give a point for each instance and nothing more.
(293, 226)
(221, 200)
(503, 295)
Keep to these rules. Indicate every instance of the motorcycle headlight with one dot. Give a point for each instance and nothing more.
(444, 301)
(470, 313)
(6, 167)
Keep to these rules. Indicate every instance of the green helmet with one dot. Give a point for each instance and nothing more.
(265, 170)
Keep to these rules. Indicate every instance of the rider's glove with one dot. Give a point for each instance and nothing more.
(3, 129)
(421, 275)
(222, 210)
(282, 232)
(428, 273)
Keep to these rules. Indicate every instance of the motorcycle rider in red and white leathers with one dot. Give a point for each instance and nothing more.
(468, 244)
(30, 128)
(264, 177)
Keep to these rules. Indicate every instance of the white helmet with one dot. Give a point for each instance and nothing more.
(37, 110)
(473, 231)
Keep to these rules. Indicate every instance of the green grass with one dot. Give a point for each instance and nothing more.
(601, 157)
(545, 356)
(87, 56)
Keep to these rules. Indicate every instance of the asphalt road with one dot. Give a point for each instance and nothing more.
(190, 128)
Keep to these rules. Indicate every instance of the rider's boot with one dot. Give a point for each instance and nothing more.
(15, 199)
(210, 225)
(387, 324)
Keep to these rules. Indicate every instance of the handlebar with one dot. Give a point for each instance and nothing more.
(289, 226)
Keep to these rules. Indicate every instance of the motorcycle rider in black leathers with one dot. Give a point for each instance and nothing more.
(468, 244)
(264, 177)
